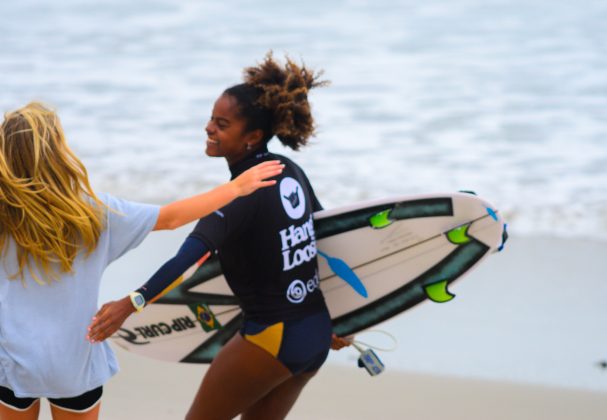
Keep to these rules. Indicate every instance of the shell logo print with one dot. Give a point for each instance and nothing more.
(298, 290)
(292, 197)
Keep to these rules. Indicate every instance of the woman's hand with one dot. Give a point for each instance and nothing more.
(338, 343)
(109, 318)
(255, 177)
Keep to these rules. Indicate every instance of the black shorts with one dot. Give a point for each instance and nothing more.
(80, 404)
(302, 345)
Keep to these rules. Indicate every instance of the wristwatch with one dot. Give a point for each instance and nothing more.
(137, 300)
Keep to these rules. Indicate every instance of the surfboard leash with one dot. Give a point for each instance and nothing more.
(368, 359)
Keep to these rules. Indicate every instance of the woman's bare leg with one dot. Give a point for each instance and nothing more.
(240, 375)
(277, 404)
(31, 413)
(61, 414)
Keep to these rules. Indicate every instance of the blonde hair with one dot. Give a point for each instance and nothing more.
(47, 205)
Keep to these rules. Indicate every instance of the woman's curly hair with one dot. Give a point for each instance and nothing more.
(274, 98)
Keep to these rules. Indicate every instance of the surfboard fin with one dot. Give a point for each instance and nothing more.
(459, 235)
(381, 219)
(437, 292)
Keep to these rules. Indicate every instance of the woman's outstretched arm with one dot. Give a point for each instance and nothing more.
(112, 315)
(179, 213)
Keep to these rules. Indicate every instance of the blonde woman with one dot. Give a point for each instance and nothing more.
(56, 238)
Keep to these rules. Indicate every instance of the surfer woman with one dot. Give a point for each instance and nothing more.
(57, 236)
(267, 249)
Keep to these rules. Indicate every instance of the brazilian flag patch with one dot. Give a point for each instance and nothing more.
(207, 319)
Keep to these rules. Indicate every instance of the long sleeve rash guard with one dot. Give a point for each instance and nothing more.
(191, 251)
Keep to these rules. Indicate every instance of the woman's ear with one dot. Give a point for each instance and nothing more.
(253, 139)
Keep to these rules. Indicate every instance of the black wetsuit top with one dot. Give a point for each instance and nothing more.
(266, 244)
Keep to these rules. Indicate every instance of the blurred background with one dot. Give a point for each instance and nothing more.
(505, 98)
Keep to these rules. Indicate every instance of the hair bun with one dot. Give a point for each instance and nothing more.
(284, 92)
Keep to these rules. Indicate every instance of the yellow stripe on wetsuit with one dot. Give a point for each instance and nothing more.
(181, 278)
(269, 339)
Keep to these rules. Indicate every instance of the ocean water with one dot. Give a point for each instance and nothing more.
(506, 98)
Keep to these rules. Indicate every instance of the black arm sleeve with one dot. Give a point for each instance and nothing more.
(190, 252)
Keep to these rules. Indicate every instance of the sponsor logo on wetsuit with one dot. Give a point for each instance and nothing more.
(291, 237)
(292, 197)
(298, 290)
(298, 240)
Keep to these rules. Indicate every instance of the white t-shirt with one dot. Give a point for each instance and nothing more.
(43, 328)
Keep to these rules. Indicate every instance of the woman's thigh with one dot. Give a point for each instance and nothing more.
(62, 414)
(82, 407)
(16, 408)
(277, 404)
(240, 375)
(10, 413)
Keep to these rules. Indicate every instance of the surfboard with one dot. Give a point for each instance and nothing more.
(376, 260)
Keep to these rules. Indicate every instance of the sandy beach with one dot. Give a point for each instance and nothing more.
(147, 389)
(536, 277)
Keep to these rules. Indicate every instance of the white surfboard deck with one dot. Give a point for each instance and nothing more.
(400, 248)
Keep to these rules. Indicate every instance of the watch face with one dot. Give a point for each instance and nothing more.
(139, 300)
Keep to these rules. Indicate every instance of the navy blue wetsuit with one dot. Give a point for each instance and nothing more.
(267, 249)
